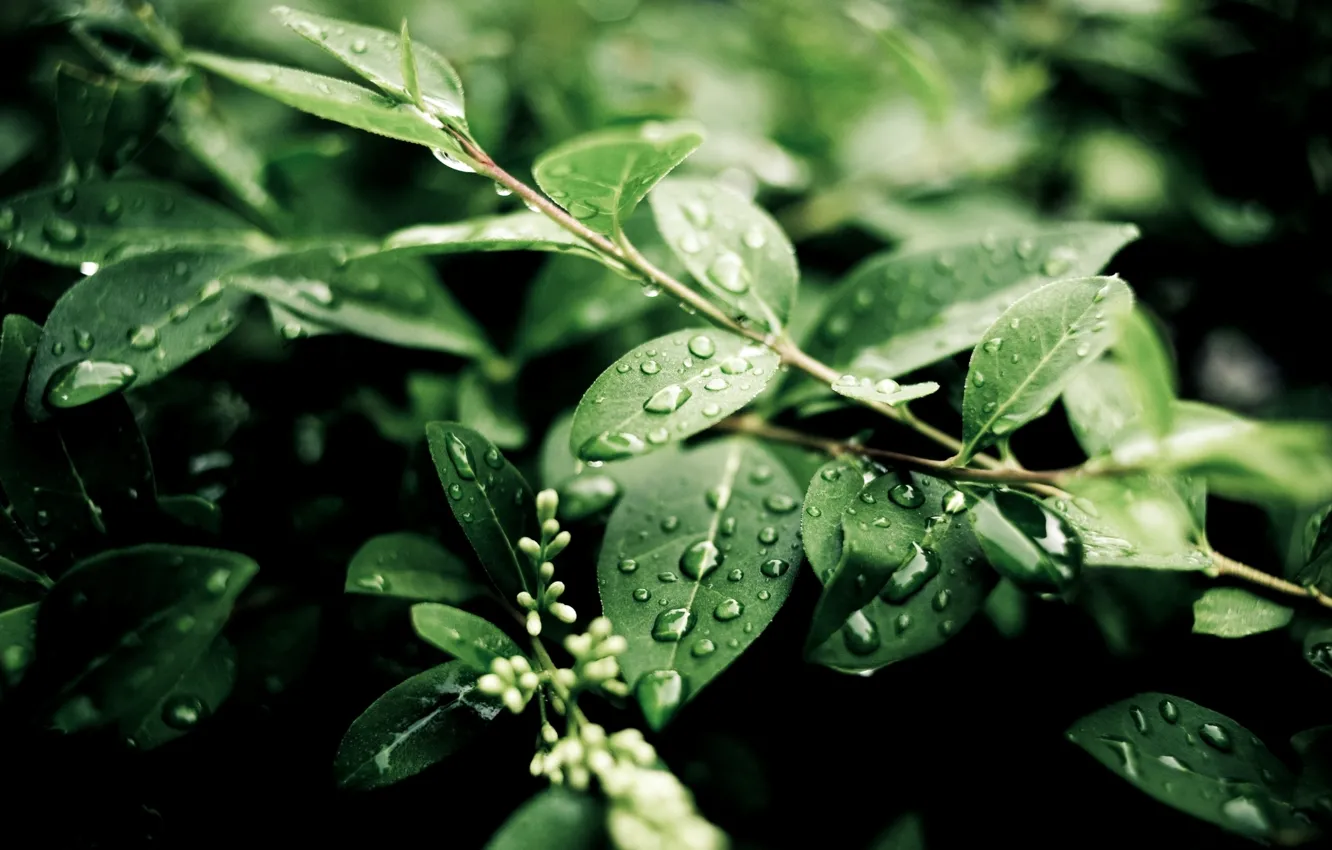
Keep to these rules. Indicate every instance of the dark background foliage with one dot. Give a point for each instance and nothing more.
(1227, 126)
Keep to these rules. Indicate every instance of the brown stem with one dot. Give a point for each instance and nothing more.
(1223, 566)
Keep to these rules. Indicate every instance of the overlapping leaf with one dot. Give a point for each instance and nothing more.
(410, 566)
(473, 640)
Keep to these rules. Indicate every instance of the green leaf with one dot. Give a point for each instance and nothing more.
(120, 629)
(571, 300)
(473, 640)
(491, 408)
(416, 724)
(106, 121)
(556, 819)
(667, 389)
(429, 397)
(1033, 350)
(883, 391)
(391, 298)
(1245, 459)
(697, 558)
(831, 491)
(897, 312)
(198, 693)
(1140, 522)
(131, 324)
(1230, 612)
(19, 585)
(1100, 402)
(490, 500)
(732, 247)
(101, 222)
(600, 177)
(1227, 778)
(1149, 369)
(18, 641)
(921, 72)
(584, 491)
(518, 231)
(333, 99)
(192, 511)
(1025, 541)
(377, 56)
(410, 566)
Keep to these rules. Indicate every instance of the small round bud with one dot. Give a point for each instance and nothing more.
(563, 613)
(578, 645)
(546, 571)
(533, 623)
(600, 761)
(626, 738)
(520, 665)
(529, 547)
(529, 681)
(566, 678)
(538, 765)
(614, 645)
(526, 601)
(578, 777)
(555, 591)
(593, 734)
(572, 750)
(600, 628)
(602, 669)
(548, 733)
(502, 668)
(550, 528)
(491, 684)
(557, 703)
(547, 503)
(514, 699)
(645, 754)
(556, 546)
(615, 688)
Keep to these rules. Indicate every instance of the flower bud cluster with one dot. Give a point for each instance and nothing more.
(553, 542)
(595, 664)
(512, 680)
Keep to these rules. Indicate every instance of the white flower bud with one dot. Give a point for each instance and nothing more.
(550, 528)
(571, 750)
(615, 687)
(563, 613)
(566, 678)
(538, 766)
(644, 754)
(556, 546)
(600, 628)
(530, 548)
(600, 761)
(593, 734)
(548, 733)
(557, 703)
(547, 571)
(547, 503)
(520, 664)
(578, 777)
(614, 645)
(629, 831)
(514, 699)
(491, 684)
(601, 669)
(533, 623)
(555, 591)
(626, 738)
(526, 601)
(529, 681)
(502, 668)
(578, 645)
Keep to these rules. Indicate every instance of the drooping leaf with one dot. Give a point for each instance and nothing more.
(571, 300)
(491, 408)
(490, 500)
(1197, 761)
(518, 231)
(118, 631)
(884, 391)
(1140, 522)
(697, 558)
(19, 585)
(198, 693)
(667, 389)
(391, 298)
(106, 121)
(416, 724)
(473, 640)
(410, 566)
(1033, 350)
(600, 177)
(105, 221)
(18, 641)
(376, 54)
(1149, 370)
(1232, 612)
(897, 312)
(556, 818)
(736, 252)
(333, 99)
(132, 323)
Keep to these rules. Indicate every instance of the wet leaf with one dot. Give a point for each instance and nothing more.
(18, 642)
(556, 818)
(410, 566)
(491, 408)
(519, 231)
(884, 391)
(473, 640)
(192, 511)
(1026, 542)
(1232, 612)
(107, 121)
(200, 692)
(1140, 522)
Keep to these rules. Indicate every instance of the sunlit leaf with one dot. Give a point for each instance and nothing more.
(473, 640)
(491, 407)
(1232, 612)
(519, 231)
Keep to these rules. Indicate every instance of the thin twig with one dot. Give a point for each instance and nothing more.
(1224, 566)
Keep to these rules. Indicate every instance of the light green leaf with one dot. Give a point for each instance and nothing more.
(120, 629)
(394, 299)
(101, 222)
(333, 99)
(490, 500)
(1246, 459)
(921, 72)
(377, 56)
(106, 121)
(600, 177)
(1149, 369)
(1033, 350)
(1140, 522)
(832, 489)
(416, 724)
(198, 693)
(1229, 778)
(1231, 612)
(518, 231)
(410, 566)
(571, 300)
(473, 640)
(410, 81)
(1100, 401)
(732, 247)
(133, 323)
(1025, 541)
(555, 819)
(491, 408)
(883, 391)
(585, 491)
(698, 556)
(897, 312)
(667, 389)
(18, 636)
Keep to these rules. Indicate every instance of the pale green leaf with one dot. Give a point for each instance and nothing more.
(132, 323)
(1025, 541)
(1033, 350)
(1231, 612)
(883, 391)
(1100, 402)
(411, 82)
(518, 231)
(101, 222)
(1149, 370)
(732, 247)
(1141, 522)
(897, 311)
(600, 177)
(406, 565)
(491, 408)
(416, 724)
(555, 819)
(832, 489)
(667, 389)
(698, 556)
(571, 300)
(473, 640)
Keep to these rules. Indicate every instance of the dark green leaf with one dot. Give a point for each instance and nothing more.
(200, 691)
(413, 726)
(410, 566)
(698, 556)
(831, 491)
(1033, 350)
(736, 252)
(100, 222)
(571, 300)
(519, 231)
(667, 389)
(473, 640)
(1139, 522)
(18, 640)
(391, 298)
(491, 408)
(490, 500)
(429, 397)
(905, 833)
(106, 121)
(19, 585)
(192, 511)
(132, 323)
(120, 629)
(585, 491)
(1025, 541)
(600, 177)
(277, 649)
(1232, 612)
(1227, 778)
(904, 311)
(555, 819)
(883, 391)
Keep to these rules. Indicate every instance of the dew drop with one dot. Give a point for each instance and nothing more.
(359, 46)
(182, 712)
(660, 694)
(672, 625)
(459, 456)
(728, 609)
(611, 446)
(700, 559)
(755, 238)
(1169, 711)
(649, 367)
(702, 346)
(728, 272)
(210, 291)
(455, 491)
(83, 340)
(734, 365)
(1216, 736)
(711, 410)
(87, 380)
(667, 399)
(144, 337)
(911, 576)
(780, 503)
(627, 565)
(775, 568)
(767, 535)
(860, 635)
(907, 496)
(642, 594)
(702, 647)
(63, 233)
(1139, 719)
(670, 523)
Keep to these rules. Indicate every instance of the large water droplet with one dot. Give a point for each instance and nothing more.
(1169, 711)
(775, 568)
(182, 712)
(672, 625)
(611, 446)
(452, 161)
(63, 233)
(1216, 736)
(700, 559)
(660, 694)
(780, 503)
(649, 367)
(587, 495)
(1027, 542)
(728, 609)
(702, 346)
(907, 496)
(1247, 814)
(728, 272)
(459, 456)
(88, 380)
(642, 594)
(702, 647)
(144, 337)
(83, 340)
(668, 399)
(734, 365)
(860, 635)
(918, 569)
